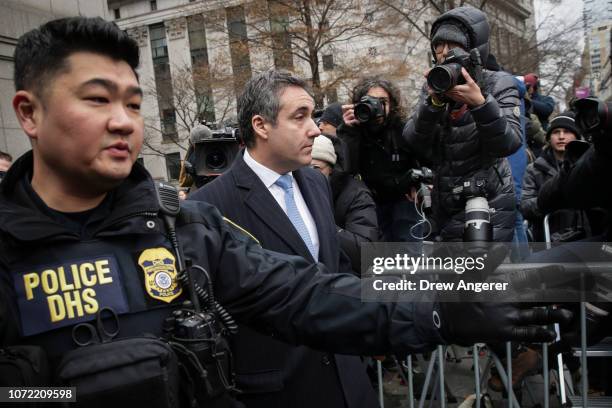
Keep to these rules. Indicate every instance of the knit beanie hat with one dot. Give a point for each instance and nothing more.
(563, 120)
(453, 31)
(531, 79)
(323, 149)
(332, 114)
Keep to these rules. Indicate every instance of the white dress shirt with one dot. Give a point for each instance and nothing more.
(269, 177)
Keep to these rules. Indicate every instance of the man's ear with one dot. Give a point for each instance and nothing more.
(260, 127)
(27, 108)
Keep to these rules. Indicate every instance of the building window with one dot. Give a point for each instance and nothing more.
(117, 13)
(372, 51)
(239, 47)
(332, 95)
(369, 16)
(173, 165)
(153, 4)
(168, 121)
(159, 47)
(200, 68)
(328, 62)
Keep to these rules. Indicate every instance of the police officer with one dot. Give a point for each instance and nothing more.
(81, 233)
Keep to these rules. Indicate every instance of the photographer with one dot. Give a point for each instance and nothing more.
(469, 129)
(374, 150)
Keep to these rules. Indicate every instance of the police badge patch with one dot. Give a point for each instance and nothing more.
(160, 274)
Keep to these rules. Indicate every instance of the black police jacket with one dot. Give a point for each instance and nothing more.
(284, 296)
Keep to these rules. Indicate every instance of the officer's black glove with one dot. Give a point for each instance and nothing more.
(466, 323)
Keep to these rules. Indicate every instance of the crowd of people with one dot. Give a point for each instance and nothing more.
(274, 241)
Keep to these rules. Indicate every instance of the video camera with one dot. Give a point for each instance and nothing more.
(442, 77)
(369, 109)
(214, 150)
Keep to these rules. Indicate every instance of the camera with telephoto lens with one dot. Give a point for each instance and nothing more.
(369, 109)
(477, 228)
(442, 77)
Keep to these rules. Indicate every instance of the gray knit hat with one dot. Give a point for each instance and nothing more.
(451, 31)
(323, 149)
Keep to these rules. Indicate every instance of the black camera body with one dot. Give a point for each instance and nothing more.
(421, 179)
(424, 175)
(369, 109)
(442, 77)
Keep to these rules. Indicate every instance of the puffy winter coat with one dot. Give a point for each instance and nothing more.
(476, 142)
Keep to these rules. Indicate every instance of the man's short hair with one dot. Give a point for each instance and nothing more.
(261, 96)
(396, 110)
(41, 53)
(6, 156)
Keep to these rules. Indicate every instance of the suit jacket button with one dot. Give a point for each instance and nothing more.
(325, 360)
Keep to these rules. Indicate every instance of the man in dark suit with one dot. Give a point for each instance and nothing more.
(286, 206)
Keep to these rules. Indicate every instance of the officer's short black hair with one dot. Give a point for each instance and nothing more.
(42, 53)
(261, 96)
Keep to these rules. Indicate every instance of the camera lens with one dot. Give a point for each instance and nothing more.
(216, 159)
(441, 78)
(363, 112)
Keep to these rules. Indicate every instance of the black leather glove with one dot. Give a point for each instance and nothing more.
(466, 323)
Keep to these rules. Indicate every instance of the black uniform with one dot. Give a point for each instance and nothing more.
(56, 273)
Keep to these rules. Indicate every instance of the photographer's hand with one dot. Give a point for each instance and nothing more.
(468, 93)
(348, 115)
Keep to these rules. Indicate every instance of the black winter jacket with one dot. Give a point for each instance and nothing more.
(355, 215)
(562, 221)
(580, 186)
(277, 294)
(380, 158)
(481, 139)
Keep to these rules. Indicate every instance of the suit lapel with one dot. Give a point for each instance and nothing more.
(261, 202)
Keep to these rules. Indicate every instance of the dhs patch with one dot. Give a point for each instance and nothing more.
(57, 295)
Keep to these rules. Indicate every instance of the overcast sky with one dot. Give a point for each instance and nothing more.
(555, 11)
